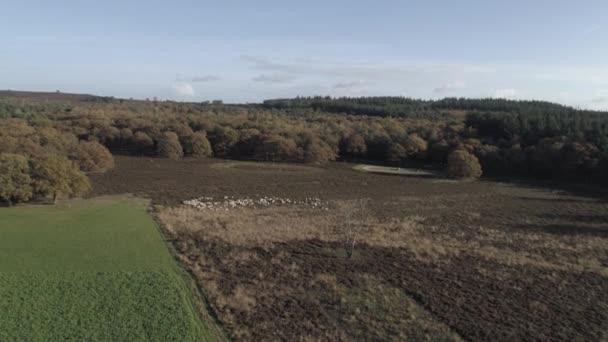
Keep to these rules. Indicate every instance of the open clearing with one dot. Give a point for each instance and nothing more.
(91, 270)
(389, 170)
(482, 261)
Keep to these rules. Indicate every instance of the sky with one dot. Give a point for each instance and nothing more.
(248, 51)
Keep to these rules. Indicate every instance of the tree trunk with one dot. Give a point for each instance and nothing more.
(54, 198)
(10, 202)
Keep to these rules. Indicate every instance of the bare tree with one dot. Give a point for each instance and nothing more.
(354, 220)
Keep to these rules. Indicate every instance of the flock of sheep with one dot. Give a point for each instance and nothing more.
(228, 202)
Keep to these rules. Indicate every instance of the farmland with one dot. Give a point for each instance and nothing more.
(307, 223)
(476, 261)
(304, 171)
(91, 270)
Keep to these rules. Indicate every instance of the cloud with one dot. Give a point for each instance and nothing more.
(348, 85)
(449, 87)
(183, 89)
(425, 79)
(365, 71)
(206, 78)
(274, 78)
(508, 93)
(601, 97)
(591, 29)
(262, 63)
(198, 79)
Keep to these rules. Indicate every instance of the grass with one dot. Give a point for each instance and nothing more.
(91, 270)
(363, 309)
(374, 311)
(395, 171)
(410, 272)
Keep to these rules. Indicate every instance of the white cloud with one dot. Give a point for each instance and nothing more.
(206, 78)
(183, 89)
(600, 98)
(348, 85)
(198, 79)
(591, 30)
(274, 78)
(362, 70)
(449, 87)
(508, 93)
(566, 84)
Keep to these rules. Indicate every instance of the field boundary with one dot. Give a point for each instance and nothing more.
(200, 301)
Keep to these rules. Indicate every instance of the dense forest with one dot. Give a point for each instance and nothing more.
(52, 135)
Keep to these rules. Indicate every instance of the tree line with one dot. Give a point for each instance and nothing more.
(39, 161)
(395, 106)
(493, 137)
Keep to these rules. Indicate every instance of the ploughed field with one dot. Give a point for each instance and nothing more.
(94, 270)
(432, 259)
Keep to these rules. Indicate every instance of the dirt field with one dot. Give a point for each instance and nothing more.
(475, 260)
(170, 182)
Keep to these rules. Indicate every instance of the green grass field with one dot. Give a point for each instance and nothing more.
(95, 270)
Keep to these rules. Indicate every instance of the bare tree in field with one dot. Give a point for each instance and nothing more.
(353, 221)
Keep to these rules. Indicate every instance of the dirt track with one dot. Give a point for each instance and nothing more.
(513, 263)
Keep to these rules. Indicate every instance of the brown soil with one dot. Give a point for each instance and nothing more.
(486, 261)
(170, 182)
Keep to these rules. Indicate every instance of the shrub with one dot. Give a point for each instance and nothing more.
(197, 145)
(397, 153)
(276, 148)
(463, 164)
(92, 156)
(316, 150)
(223, 140)
(143, 143)
(438, 152)
(169, 146)
(416, 146)
(354, 145)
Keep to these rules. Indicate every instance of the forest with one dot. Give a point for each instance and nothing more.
(48, 142)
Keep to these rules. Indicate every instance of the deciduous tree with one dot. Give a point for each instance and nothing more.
(197, 145)
(169, 146)
(15, 181)
(463, 164)
(354, 145)
(55, 175)
(92, 156)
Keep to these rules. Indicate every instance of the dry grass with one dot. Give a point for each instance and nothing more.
(254, 262)
(375, 309)
(269, 226)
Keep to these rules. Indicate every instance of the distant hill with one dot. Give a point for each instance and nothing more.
(45, 96)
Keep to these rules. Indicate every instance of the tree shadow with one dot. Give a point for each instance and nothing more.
(559, 200)
(566, 229)
(577, 218)
(588, 190)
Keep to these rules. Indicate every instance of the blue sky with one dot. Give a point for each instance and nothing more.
(247, 51)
